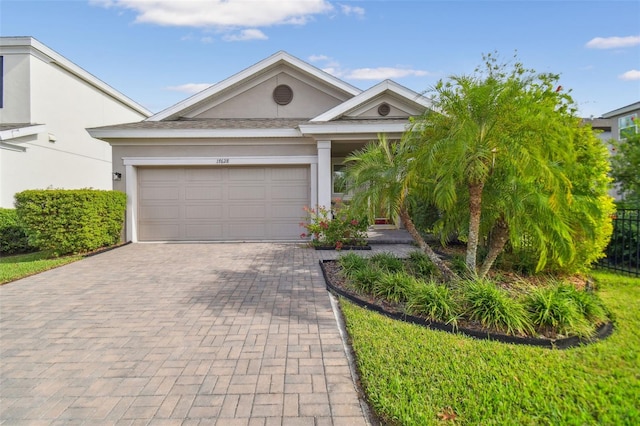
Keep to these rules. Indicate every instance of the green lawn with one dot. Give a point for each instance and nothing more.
(416, 376)
(23, 265)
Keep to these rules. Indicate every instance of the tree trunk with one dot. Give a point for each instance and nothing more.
(475, 209)
(446, 272)
(499, 237)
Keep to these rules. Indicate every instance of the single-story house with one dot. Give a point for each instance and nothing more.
(240, 160)
(46, 104)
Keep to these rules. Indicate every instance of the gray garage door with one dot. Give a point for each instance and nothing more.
(221, 203)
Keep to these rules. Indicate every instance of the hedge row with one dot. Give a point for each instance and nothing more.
(71, 221)
(13, 235)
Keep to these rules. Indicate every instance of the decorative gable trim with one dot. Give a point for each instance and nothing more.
(261, 67)
(379, 89)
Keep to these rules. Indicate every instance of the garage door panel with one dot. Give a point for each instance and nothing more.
(203, 231)
(247, 211)
(250, 231)
(243, 174)
(160, 231)
(203, 193)
(204, 174)
(221, 203)
(289, 174)
(159, 211)
(243, 193)
(161, 193)
(203, 212)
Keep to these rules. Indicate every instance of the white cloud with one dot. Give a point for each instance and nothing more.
(352, 10)
(613, 42)
(630, 75)
(221, 13)
(207, 39)
(318, 58)
(244, 35)
(190, 88)
(383, 73)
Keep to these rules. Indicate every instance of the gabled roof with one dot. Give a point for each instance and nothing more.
(11, 131)
(261, 67)
(30, 45)
(625, 109)
(384, 87)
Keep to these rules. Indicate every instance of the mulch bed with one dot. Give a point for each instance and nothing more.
(336, 284)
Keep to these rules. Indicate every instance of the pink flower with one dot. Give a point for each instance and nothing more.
(339, 245)
(354, 222)
(303, 235)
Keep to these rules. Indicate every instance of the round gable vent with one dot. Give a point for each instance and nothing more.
(282, 94)
(384, 109)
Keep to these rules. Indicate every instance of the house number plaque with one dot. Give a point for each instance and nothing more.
(222, 161)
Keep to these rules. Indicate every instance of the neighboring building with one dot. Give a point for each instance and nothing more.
(241, 159)
(624, 121)
(46, 104)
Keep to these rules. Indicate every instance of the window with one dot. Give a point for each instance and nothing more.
(627, 126)
(339, 179)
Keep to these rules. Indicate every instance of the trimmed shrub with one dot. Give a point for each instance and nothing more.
(71, 221)
(13, 236)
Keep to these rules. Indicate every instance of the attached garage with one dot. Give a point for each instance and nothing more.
(221, 203)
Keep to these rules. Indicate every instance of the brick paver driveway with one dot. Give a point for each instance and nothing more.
(226, 334)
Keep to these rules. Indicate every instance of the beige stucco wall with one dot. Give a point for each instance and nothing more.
(257, 101)
(44, 93)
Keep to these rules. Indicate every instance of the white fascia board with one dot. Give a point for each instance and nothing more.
(192, 133)
(623, 110)
(30, 45)
(19, 132)
(378, 89)
(218, 161)
(279, 57)
(328, 129)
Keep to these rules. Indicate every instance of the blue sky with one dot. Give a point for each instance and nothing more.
(160, 52)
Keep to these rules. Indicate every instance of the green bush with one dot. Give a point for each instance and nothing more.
(13, 236)
(71, 221)
(495, 308)
(363, 280)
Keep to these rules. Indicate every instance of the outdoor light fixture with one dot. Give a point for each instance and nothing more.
(117, 176)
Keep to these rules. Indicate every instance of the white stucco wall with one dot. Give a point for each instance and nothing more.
(40, 91)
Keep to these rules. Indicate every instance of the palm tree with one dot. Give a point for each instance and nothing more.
(381, 176)
(497, 119)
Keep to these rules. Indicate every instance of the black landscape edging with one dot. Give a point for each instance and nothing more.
(602, 332)
(343, 248)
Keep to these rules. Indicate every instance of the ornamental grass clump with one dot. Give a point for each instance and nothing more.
(435, 302)
(351, 263)
(495, 308)
(387, 262)
(420, 265)
(561, 309)
(395, 286)
(363, 280)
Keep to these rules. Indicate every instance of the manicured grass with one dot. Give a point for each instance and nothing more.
(15, 267)
(416, 376)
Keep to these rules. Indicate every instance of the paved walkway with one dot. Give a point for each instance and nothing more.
(225, 334)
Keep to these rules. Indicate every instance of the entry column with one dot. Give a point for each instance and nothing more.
(324, 174)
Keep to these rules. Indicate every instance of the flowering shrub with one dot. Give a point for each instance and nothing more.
(337, 227)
